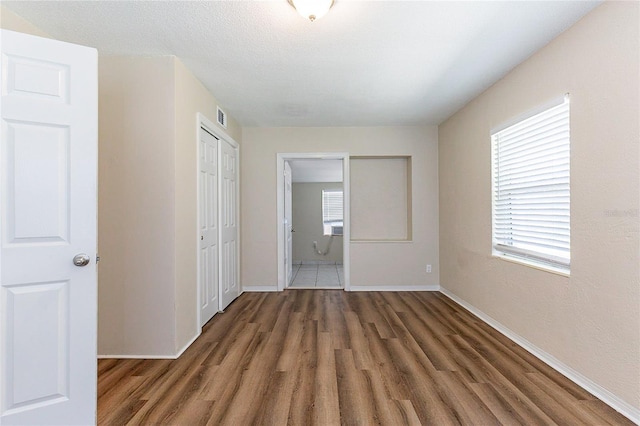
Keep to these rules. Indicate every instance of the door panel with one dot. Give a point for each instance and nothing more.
(48, 154)
(43, 376)
(208, 199)
(49, 189)
(230, 288)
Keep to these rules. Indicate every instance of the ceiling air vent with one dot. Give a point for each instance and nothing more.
(222, 118)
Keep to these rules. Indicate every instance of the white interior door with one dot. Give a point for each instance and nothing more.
(48, 161)
(288, 224)
(208, 222)
(229, 285)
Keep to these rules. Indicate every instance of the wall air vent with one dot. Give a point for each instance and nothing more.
(222, 118)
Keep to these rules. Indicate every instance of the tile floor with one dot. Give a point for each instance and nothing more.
(318, 276)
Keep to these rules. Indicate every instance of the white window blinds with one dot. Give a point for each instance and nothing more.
(331, 206)
(531, 188)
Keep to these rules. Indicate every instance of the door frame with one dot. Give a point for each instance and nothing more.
(288, 218)
(281, 158)
(204, 122)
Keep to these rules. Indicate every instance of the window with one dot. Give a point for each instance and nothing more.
(332, 219)
(531, 189)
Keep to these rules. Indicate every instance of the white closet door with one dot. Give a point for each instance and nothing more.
(208, 218)
(229, 285)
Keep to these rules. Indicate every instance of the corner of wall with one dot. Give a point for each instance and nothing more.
(11, 21)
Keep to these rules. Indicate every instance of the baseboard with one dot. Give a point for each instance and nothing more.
(259, 288)
(394, 288)
(137, 356)
(189, 343)
(176, 356)
(587, 384)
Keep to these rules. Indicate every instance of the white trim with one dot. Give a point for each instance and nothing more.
(395, 288)
(261, 289)
(216, 130)
(587, 384)
(280, 160)
(189, 343)
(314, 287)
(531, 263)
(176, 356)
(137, 357)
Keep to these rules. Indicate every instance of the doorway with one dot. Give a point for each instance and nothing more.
(313, 220)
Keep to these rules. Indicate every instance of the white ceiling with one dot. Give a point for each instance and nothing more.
(365, 63)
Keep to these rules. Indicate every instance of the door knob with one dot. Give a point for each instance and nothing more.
(81, 259)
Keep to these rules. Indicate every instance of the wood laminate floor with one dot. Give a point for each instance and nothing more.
(327, 357)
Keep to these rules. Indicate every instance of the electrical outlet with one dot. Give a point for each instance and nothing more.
(429, 269)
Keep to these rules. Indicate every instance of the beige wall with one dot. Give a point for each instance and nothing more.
(390, 264)
(136, 196)
(380, 198)
(147, 204)
(307, 222)
(590, 321)
(13, 22)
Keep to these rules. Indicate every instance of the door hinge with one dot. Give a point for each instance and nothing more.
(97, 258)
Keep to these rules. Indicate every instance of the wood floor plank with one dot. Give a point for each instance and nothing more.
(395, 386)
(301, 411)
(408, 339)
(227, 385)
(291, 346)
(118, 397)
(326, 384)
(603, 412)
(359, 343)
(405, 413)
(112, 372)
(468, 407)
(334, 322)
(430, 404)
(367, 306)
(502, 394)
(244, 405)
(385, 412)
(500, 408)
(276, 404)
(356, 405)
(327, 357)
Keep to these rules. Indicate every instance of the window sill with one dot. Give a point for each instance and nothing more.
(533, 264)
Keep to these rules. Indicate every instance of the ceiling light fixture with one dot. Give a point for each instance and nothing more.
(311, 9)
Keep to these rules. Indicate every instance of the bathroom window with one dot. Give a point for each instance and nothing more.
(332, 217)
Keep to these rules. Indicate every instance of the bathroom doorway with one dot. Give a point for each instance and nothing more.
(313, 221)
